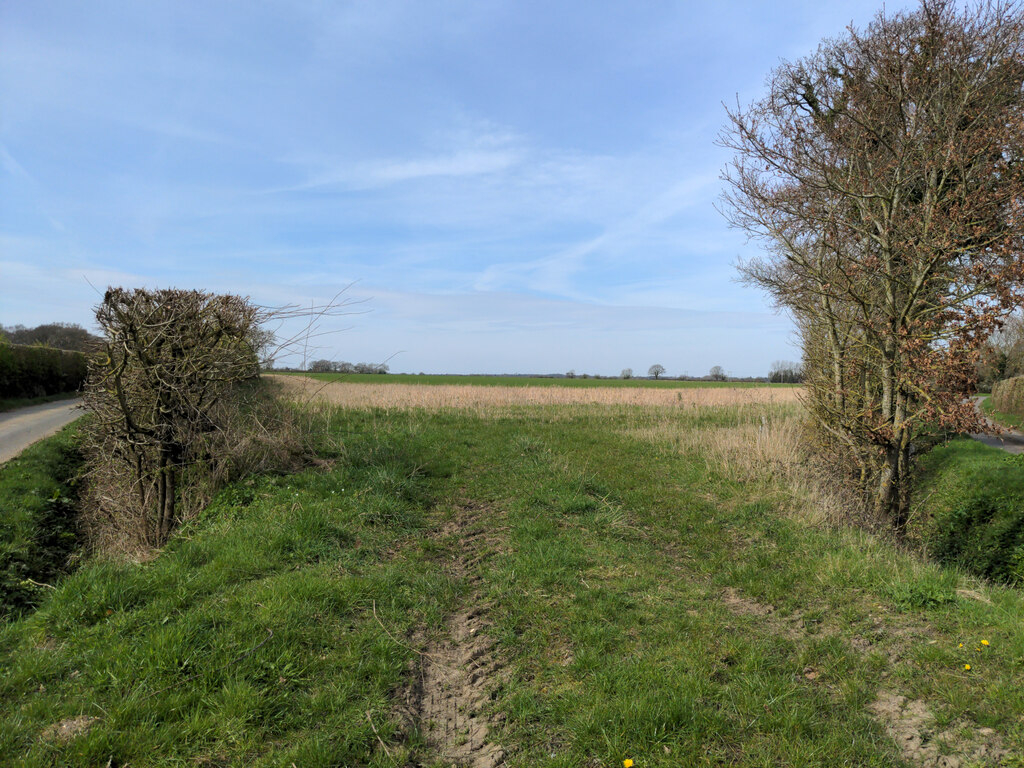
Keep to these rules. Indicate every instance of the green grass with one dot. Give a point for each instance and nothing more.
(37, 519)
(12, 403)
(974, 494)
(519, 381)
(250, 640)
(620, 581)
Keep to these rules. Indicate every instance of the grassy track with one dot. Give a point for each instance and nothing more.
(519, 381)
(644, 601)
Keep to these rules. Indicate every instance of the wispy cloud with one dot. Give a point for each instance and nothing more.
(509, 180)
(555, 273)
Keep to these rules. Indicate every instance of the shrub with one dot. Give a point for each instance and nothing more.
(177, 411)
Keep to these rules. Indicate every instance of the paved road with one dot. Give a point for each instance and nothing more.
(20, 428)
(1009, 440)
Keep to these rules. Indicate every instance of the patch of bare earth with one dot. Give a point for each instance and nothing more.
(736, 602)
(459, 672)
(66, 730)
(912, 726)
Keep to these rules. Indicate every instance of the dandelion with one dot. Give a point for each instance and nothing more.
(967, 667)
(984, 642)
(961, 645)
(627, 763)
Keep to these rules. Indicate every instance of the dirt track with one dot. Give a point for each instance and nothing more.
(20, 428)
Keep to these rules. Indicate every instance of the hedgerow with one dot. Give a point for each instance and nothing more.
(39, 371)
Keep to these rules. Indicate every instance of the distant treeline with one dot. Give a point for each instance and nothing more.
(56, 335)
(374, 368)
(39, 371)
(332, 366)
(781, 372)
(786, 372)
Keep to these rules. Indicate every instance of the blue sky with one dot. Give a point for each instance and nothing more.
(507, 186)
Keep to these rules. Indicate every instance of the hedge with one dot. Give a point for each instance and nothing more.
(38, 371)
(1008, 396)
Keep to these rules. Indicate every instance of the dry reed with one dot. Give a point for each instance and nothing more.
(765, 448)
(481, 398)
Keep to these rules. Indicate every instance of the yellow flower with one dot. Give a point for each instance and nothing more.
(967, 667)
(961, 645)
(627, 764)
(984, 642)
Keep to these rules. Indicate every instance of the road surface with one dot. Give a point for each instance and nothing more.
(20, 428)
(1009, 440)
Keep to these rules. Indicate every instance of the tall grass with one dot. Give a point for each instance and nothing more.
(448, 396)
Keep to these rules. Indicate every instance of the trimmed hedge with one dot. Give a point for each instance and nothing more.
(39, 371)
(1008, 396)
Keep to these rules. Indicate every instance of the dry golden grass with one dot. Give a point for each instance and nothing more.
(764, 447)
(441, 397)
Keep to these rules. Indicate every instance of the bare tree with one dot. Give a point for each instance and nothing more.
(717, 373)
(627, 373)
(1003, 355)
(786, 372)
(884, 176)
(656, 370)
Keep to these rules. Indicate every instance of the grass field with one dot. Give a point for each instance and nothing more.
(519, 381)
(572, 584)
(372, 392)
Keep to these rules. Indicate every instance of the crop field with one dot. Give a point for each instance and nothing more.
(433, 379)
(485, 576)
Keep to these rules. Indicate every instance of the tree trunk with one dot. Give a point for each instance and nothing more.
(161, 495)
(165, 496)
(886, 492)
